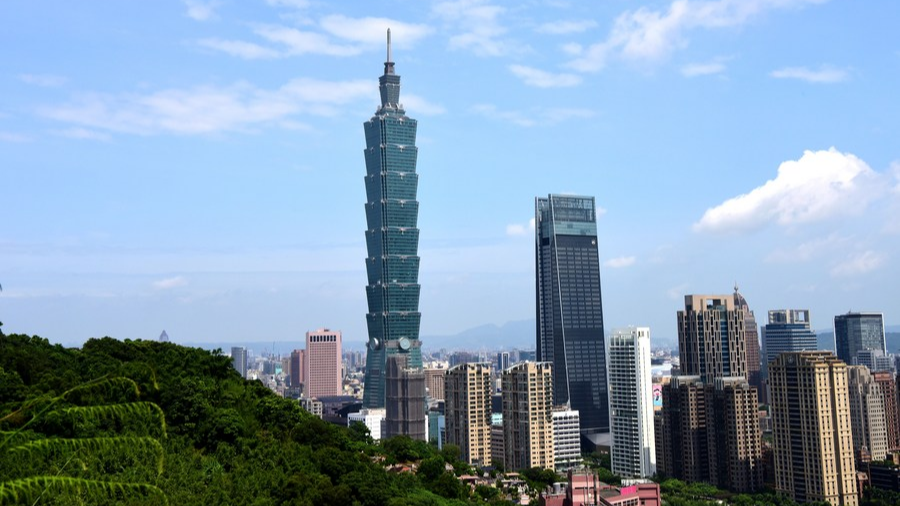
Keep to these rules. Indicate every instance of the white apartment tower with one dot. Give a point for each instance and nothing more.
(633, 448)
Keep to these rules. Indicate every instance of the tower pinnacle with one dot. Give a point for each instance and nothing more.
(389, 64)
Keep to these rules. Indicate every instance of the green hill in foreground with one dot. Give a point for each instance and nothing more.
(74, 431)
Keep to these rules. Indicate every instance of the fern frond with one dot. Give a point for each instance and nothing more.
(56, 446)
(107, 412)
(28, 490)
(110, 385)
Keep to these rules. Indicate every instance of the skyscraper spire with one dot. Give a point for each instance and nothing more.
(389, 64)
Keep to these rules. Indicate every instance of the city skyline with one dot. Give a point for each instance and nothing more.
(167, 164)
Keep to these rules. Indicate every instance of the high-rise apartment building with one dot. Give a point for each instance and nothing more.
(434, 381)
(684, 452)
(867, 416)
(787, 330)
(888, 385)
(405, 399)
(503, 362)
(392, 237)
(751, 340)
(323, 364)
(239, 360)
(566, 438)
(813, 438)
(633, 447)
(373, 419)
(711, 341)
(854, 332)
(733, 435)
(467, 411)
(528, 416)
(569, 308)
(298, 367)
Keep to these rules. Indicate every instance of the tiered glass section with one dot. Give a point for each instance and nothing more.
(392, 237)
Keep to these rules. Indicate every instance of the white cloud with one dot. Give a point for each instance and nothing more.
(542, 79)
(297, 42)
(648, 35)
(84, 134)
(859, 263)
(820, 185)
(519, 229)
(43, 80)
(535, 117)
(209, 109)
(373, 31)
(241, 49)
(600, 212)
(620, 262)
(13, 137)
(702, 69)
(294, 4)
(566, 27)
(201, 11)
(415, 104)
(677, 292)
(824, 75)
(477, 20)
(169, 283)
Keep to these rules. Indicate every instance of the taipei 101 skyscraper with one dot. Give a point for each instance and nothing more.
(392, 237)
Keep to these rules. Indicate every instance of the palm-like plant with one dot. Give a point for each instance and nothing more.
(90, 442)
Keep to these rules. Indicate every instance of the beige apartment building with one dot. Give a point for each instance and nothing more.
(813, 439)
(528, 416)
(867, 417)
(467, 411)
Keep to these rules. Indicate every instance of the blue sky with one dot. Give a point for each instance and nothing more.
(197, 166)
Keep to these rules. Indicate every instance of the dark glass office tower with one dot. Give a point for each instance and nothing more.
(855, 332)
(569, 308)
(392, 238)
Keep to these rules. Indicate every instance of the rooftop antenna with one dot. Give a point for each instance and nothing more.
(389, 45)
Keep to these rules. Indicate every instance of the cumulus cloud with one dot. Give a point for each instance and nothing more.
(519, 229)
(566, 27)
(534, 117)
(820, 185)
(824, 75)
(542, 79)
(703, 69)
(478, 25)
(43, 80)
(859, 263)
(620, 262)
(169, 283)
(206, 109)
(645, 34)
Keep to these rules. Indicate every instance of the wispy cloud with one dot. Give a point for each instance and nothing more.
(805, 251)
(677, 292)
(372, 31)
(294, 4)
(13, 137)
(169, 283)
(241, 49)
(566, 27)
(84, 134)
(43, 80)
(859, 263)
(820, 185)
(824, 75)
(207, 109)
(542, 79)
(200, 10)
(620, 262)
(416, 104)
(478, 26)
(648, 35)
(298, 42)
(703, 69)
(534, 117)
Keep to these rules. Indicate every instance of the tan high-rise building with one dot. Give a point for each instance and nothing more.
(733, 436)
(528, 416)
(322, 372)
(682, 450)
(711, 339)
(404, 399)
(813, 440)
(434, 381)
(467, 411)
(888, 385)
(870, 441)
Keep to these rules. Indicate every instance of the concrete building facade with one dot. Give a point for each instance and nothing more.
(528, 416)
(867, 415)
(404, 399)
(566, 438)
(467, 411)
(322, 370)
(633, 446)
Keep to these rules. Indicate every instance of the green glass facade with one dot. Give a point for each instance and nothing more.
(392, 237)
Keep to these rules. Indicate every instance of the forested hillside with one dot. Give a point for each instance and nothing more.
(76, 431)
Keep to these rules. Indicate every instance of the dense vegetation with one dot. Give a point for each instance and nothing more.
(224, 440)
